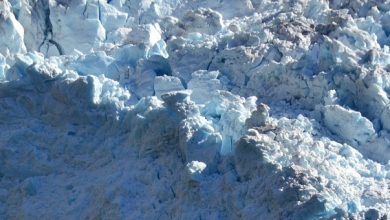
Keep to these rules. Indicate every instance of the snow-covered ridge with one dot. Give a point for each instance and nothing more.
(154, 109)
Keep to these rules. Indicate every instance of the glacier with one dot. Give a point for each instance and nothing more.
(194, 109)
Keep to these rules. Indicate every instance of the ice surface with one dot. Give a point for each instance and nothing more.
(348, 124)
(164, 84)
(172, 109)
(12, 32)
(204, 84)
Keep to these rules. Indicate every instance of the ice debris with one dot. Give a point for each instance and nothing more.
(194, 109)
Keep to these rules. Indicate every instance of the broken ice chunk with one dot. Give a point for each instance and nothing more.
(12, 32)
(348, 124)
(95, 64)
(111, 18)
(89, 32)
(195, 169)
(164, 84)
(202, 84)
(259, 116)
(230, 113)
(148, 35)
(203, 20)
(331, 97)
(159, 49)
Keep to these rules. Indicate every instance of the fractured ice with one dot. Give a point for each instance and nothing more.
(193, 109)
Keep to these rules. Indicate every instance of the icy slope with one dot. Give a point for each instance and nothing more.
(194, 109)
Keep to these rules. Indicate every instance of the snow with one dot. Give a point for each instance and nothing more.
(194, 109)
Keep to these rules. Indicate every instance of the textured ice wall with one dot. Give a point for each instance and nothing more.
(154, 109)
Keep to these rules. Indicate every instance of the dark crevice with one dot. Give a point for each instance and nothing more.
(211, 61)
(100, 12)
(209, 64)
(58, 46)
(85, 9)
(183, 82)
(173, 192)
(48, 31)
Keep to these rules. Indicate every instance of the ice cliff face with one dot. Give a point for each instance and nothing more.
(189, 109)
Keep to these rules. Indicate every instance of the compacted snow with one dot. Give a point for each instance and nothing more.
(194, 109)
